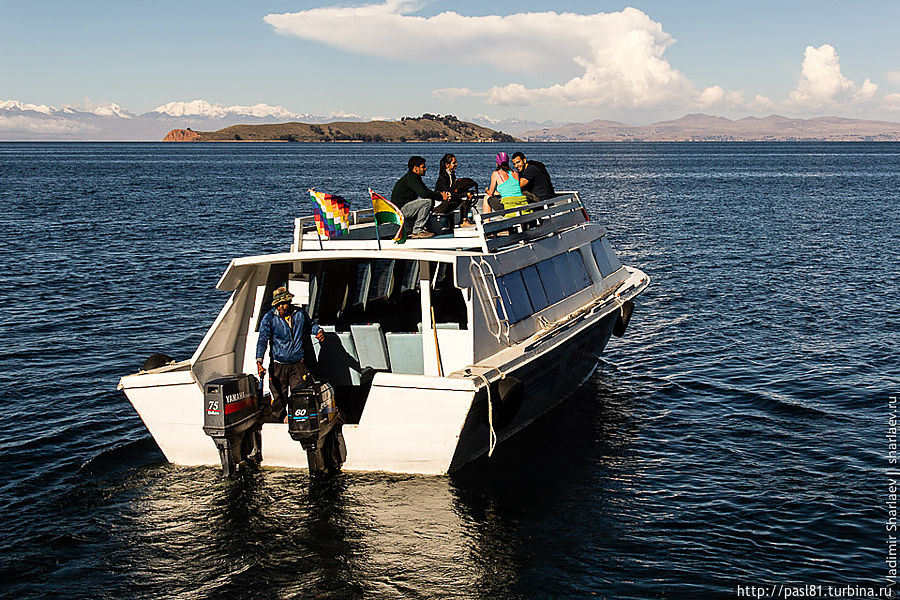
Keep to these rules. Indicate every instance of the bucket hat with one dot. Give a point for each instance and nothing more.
(281, 296)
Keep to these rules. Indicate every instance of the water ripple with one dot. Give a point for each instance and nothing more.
(735, 435)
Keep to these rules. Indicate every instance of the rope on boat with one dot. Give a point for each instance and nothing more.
(492, 435)
(621, 304)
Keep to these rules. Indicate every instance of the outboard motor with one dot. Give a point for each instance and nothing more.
(233, 419)
(314, 421)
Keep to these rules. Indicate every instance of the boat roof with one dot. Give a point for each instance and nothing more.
(492, 234)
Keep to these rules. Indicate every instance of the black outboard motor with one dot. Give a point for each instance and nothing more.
(314, 421)
(233, 419)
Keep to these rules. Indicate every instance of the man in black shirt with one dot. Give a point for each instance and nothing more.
(533, 177)
(415, 200)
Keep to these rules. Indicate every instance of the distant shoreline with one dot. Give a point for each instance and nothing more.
(618, 142)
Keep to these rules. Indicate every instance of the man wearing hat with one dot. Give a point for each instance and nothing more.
(285, 327)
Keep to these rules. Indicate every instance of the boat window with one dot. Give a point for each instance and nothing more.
(606, 258)
(535, 288)
(363, 277)
(439, 272)
(550, 282)
(278, 276)
(515, 296)
(564, 275)
(382, 281)
(611, 254)
(447, 299)
(333, 279)
(409, 275)
(576, 264)
(359, 291)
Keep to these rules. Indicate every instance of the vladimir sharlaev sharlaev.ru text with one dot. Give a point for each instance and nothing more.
(893, 485)
(814, 590)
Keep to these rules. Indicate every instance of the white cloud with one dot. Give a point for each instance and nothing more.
(867, 91)
(26, 124)
(716, 97)
(620, 54)
(892, 101)
(822, 84)
(894, 77)
(450, 93)
(711, 95)
(761, 102)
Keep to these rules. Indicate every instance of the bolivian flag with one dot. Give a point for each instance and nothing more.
(387, 212)
(332, 214)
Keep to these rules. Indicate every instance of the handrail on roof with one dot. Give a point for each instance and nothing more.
(496, 230)
(510, 226)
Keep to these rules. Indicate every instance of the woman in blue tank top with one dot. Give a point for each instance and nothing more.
(504, 181)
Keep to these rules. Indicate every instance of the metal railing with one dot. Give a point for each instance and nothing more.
(496, 230)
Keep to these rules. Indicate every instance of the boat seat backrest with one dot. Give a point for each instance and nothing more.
(405, 350)
(371, 347)
(337, 358)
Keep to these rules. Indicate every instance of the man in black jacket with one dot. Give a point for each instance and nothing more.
(415, 200)
(533, 177)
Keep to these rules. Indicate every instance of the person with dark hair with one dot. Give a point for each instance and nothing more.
(415, 200)
(505, 182)
(533, 177)
(446, 173)
(284, 329)
(460, 194)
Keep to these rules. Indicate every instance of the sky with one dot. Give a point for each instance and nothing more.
(636, 62)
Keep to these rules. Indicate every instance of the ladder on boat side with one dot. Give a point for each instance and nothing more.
(485, 273)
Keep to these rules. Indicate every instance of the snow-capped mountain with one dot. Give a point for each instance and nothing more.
(108, 121)
(202, 108)
(111, 109)
(104, 109)
(11, 105)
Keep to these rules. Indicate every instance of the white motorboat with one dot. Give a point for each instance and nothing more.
(436, 349)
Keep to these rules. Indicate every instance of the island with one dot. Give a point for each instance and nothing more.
(427, 128)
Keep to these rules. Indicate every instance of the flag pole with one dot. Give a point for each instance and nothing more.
(377, 235)
(312, 192)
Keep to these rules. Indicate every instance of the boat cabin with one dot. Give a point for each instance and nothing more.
(429, 307)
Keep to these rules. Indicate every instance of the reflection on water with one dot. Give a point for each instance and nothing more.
(498, 529)
(536, 520)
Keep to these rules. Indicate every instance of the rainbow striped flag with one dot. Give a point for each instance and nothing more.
(332, 214)
(387, 212)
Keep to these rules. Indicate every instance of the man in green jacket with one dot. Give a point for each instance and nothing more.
(415, 200)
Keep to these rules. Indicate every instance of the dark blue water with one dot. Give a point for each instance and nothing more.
(735, 436)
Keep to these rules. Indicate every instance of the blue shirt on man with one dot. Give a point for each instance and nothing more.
(286, 338)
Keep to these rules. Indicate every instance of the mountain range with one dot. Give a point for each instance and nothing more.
(20, 121)
(705, 128)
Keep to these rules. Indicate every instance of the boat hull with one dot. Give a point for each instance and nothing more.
(546, 381)
(411, 424)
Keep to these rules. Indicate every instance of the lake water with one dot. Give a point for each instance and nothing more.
(737, 435)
